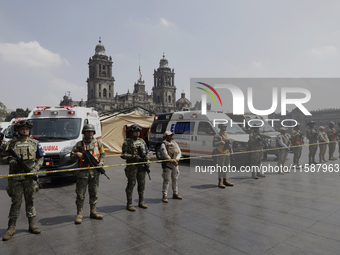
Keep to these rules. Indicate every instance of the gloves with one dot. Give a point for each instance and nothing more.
(12, 161)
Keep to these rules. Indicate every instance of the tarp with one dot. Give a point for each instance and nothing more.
(114, 129)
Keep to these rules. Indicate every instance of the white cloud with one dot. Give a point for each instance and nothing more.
(61, 85)
(29, 54)
(166, 23)
(325, 51)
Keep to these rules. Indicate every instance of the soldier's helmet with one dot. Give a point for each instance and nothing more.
(283, 129)
(331, 123)
(88, 127)
(310, 123)
(134, 127)
(23, 123)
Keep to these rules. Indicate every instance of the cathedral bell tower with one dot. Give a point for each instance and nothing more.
(164, 90)
(100, 82)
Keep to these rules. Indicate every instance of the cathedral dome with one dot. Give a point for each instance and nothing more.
(183, 102)
(163, 63)
(100, 49)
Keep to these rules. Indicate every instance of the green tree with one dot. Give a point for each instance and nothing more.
(18, 113)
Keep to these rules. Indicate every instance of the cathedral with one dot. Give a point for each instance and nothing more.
(100, 88)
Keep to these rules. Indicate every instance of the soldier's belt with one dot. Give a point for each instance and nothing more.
(158, 161)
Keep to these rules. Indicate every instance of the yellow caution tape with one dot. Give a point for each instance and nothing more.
(158, 161)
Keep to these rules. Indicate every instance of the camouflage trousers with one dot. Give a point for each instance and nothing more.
(134, 175)
(331, 148)
(256, 158)
(17, 188)
(87, 178)
(312, 150)
(297, 154)
(222, 161)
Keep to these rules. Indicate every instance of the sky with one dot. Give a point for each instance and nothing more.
(45, 46)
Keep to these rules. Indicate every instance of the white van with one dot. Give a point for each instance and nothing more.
(58, 129)
(195, 132)
(8, 132)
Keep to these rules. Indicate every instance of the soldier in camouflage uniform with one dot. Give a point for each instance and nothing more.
(256, 144)
(32, 153)
(170, 150)
(297, 142)
(332, 137)
(283, 143)
(134, 172)
(312, 136)
(88, 177)
(219, 142)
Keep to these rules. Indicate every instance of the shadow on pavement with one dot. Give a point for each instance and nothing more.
(57, 220)
(204, 186)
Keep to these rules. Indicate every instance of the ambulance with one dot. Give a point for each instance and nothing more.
(58, 129)
(194, 133)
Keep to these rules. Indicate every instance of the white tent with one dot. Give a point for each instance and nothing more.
(114, 129)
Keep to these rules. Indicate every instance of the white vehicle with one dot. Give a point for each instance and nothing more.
(58, 129)
(8, 132)
(195, 132)
(4, 125)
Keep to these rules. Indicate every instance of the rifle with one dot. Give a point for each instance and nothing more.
(89, 159)
(228, 147)
(144, 159)
(21, 163)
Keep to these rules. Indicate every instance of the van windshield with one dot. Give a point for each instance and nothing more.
(56, 128)
(234, 129)
(9, 131)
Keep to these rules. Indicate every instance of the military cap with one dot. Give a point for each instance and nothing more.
(331, 123)
(166, 133)
(321, 127)
(88, 127)
(311, 123)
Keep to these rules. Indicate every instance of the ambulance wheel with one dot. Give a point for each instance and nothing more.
(158, 152)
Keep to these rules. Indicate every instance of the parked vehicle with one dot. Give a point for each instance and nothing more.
(194, 133)
(58, 129)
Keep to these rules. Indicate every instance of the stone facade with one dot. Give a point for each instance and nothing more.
(100, 88)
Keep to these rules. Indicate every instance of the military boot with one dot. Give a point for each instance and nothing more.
(94, 214)
(10, 230)
(309, 160)
(254, 175)
(314, 162)
(226, 183)
(220, 183)
(79, 218)
(165, 199)
(259, 174)
(129, 206)
(33, 227)
(141, 203)
(176, 196)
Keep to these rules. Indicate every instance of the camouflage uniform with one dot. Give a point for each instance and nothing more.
(134, 172)
(33, 155)
(88, 177)
(297, 142)
(312, 135)
(170, 150)
(283, 143)
(255, 144)
(223, 160)
(331, 132)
